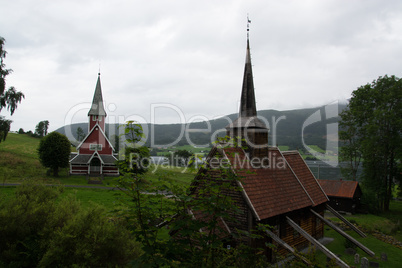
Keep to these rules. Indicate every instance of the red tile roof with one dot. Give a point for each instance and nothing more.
(339, 188)
(305, 175)
(278, 188)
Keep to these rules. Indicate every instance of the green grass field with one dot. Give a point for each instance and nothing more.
(338, 247)
(19, 161)
(18, 158)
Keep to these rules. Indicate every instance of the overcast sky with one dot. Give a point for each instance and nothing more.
(184, 60)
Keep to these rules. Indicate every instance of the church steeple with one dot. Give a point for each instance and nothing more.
(247, 101)
(97, 102)
(248, 110)
(248, 126)
(97, 112)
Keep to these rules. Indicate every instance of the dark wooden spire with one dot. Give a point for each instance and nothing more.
(248, 109)
(97, 103)
(248, 126)
(247, 101)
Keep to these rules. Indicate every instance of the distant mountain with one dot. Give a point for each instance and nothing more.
(285, 129)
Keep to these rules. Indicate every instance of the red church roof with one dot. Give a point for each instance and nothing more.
(277, 189)
(339, 188)
(305, 175)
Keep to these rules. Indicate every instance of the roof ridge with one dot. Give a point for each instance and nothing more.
(322, 190)
(294, 173)
(290, 152)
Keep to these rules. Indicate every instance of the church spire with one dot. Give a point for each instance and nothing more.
(248, 126)
(247, 101)
(97, 108)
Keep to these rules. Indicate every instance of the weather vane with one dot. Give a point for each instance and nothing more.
(248, 25)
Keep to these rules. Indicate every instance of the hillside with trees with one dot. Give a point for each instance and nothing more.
(288, 129)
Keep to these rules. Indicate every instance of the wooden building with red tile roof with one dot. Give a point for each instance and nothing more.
(276, 188)
(343, 195)
(94, 155)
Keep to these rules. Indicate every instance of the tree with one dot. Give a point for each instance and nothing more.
(136, 158)
(41, 128)
(117, 142)
(54, 151)
(373, 127)
(194, 242)
(8, 98)
(21, 131)
(182, 158)
(4, 128)
(350, 153)
(80, 134)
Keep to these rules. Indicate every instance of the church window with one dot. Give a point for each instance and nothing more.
(95, 147)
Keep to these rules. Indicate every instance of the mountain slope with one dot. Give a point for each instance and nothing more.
(285, 129)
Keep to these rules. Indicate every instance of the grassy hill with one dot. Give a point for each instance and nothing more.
(18, 158)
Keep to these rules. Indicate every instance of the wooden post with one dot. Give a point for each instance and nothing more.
(286, 246)
(354, 241)
(321, 247)
(354, 228)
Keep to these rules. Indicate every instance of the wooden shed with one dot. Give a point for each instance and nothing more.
(344, 196)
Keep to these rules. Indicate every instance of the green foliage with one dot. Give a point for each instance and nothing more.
(54, 151)
(8, 98)
(372, 128)
(40, 230)
(89, 239)
(41, 128)
(136, 158)
(80, 134)
(195, 241)
(350, 153)
(4, 128)
(117, 142)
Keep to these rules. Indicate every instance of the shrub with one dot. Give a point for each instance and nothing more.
(54, 151)
(39, 229)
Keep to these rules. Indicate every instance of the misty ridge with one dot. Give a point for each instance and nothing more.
(285, 129)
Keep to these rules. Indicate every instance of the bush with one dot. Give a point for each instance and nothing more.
(39, 229)
(54, 152)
